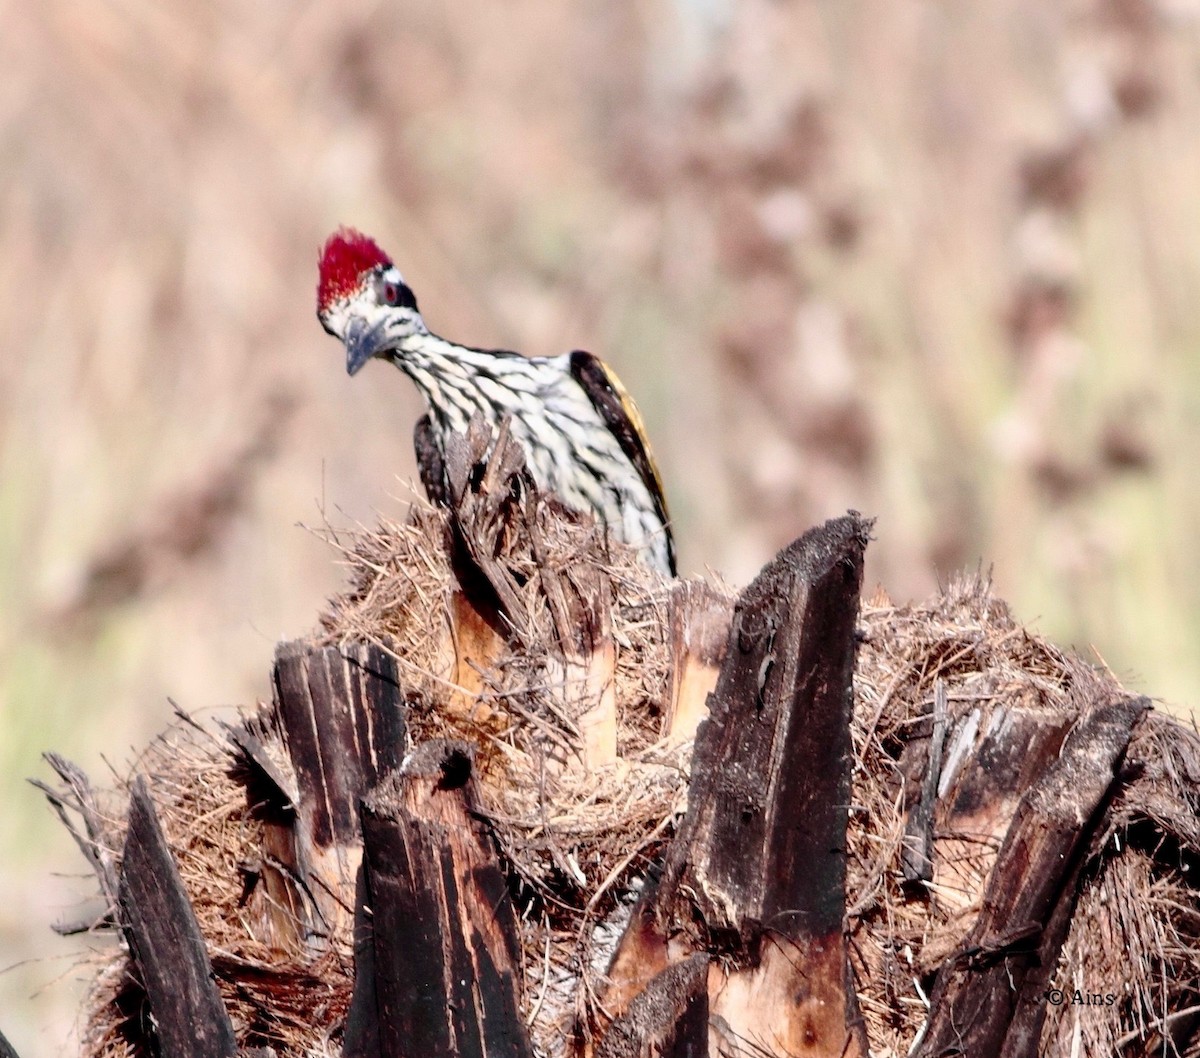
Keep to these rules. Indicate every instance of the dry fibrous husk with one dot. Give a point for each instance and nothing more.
(1135, 935)
(577, 843)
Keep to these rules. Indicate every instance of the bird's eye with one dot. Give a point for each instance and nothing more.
(394, 293)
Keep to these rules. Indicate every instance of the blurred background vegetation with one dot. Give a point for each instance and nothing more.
(937, 262)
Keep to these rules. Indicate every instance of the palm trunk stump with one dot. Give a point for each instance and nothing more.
(416, 917)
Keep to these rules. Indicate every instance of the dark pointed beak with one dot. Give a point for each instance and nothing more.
(363, 343)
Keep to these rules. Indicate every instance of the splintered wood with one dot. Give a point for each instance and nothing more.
(989, 995)
(437, 969)
(755, 880)
(524, 797)
(342, 726)
(491, 617)
(700, 618)
(166, 941)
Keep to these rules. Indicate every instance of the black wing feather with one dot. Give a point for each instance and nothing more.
(620, 414)
(431, 464)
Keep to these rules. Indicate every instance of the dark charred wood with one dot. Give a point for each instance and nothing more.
(339, 716)
(444, 946)
(1029, 895)
(361, 1036)
(1029, 1011)
(987, 780)
(343, 723)
(271, 794)
(757, 871)
(190, 1020)
(488, 484)
(271, 798)
(983, 780)
(763, 843)
(916, 857)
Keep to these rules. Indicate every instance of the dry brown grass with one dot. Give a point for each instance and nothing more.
(577, 842)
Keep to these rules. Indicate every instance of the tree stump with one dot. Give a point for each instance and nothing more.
(570, 809)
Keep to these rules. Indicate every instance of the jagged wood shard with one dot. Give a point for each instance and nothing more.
(190, 1020)
(1017, 937)
(916, 857)
(700, 617)
(757, 871)
(444, 953)
(344, 725)
(339, 715)
(669, 1017)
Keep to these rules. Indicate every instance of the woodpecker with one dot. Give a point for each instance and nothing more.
(582, 434)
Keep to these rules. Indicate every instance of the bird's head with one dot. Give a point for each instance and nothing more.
(362, 298)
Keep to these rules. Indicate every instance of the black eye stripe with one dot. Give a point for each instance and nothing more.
(398, 295)
(405, 298)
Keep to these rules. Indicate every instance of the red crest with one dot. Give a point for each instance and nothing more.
(347, 254)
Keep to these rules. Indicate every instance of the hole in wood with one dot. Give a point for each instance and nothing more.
(456, 770)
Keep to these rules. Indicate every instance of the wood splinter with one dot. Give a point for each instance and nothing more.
(756, 876)
(190, 1020)
(437, 966)
(1015, 943)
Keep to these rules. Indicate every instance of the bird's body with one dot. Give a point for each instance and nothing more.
(581, 433)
